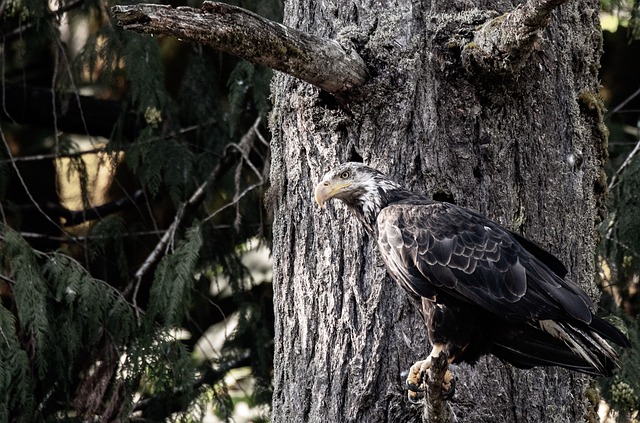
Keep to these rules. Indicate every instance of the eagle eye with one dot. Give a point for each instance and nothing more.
(344, 175)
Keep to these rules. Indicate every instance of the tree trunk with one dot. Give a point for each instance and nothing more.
(522, 145)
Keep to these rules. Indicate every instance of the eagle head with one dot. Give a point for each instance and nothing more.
(363, 189)
(349, 182)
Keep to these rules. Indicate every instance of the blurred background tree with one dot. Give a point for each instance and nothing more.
(134, 246)
(619, 250)
(134, 263)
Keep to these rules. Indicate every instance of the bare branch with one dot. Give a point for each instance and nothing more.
(196, 198)
(81, 238)
(503, 44)
(70, 112)
(319, 61)
(627, 161)
(103, 149)
(240, 195)
(76, 217)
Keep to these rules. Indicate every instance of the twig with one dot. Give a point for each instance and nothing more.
(503, 44)
(24, 184)
(53, 14)
(238, 197)
(622, 104)
(626, 162)
(7, 279)
(76, 217)
(103, 149)
(319, 61)
(52, 156)
(78, 238)
(196, 198)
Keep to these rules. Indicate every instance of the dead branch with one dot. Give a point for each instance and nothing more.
(319, 61)
(79, 114)
(196, 198)
(503, 44)
(76, 217)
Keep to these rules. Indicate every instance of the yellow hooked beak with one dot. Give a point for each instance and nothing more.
(326, 190)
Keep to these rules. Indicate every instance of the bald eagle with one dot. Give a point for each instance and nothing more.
(483, 289)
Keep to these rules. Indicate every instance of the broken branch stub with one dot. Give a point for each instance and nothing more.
(503, 44)
(436, 408)
(321, 62)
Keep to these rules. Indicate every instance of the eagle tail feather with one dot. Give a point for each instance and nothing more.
(559, 344)
(544, 358)
(608, 331)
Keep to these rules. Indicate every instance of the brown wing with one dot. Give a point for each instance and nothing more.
(439, 248)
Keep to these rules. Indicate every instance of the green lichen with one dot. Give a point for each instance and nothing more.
(592, 108)
(496, 22)
(593, 398)
(472, 45)
(591, 102)
(153, 116)
(623, 395)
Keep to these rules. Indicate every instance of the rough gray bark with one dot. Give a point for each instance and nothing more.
(322, 62)
(503, 44)
(524, 148)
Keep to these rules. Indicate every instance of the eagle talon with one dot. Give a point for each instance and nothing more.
(417, 375)
(417, 382)
(415, 397)
(415, 388)
(449, 386)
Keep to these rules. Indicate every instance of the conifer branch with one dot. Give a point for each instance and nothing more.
(52, 14)
(322, 62)
(196, 198)
(210, 376)
(503, 44)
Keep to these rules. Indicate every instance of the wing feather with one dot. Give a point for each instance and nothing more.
(439, 247)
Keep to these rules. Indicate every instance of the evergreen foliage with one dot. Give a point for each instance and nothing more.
(628, 11)
(173, 280)
(110, 248)
(619, 251)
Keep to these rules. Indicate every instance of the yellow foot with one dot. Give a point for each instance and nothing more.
(417, 382)
(416, 376)
(448, 385)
